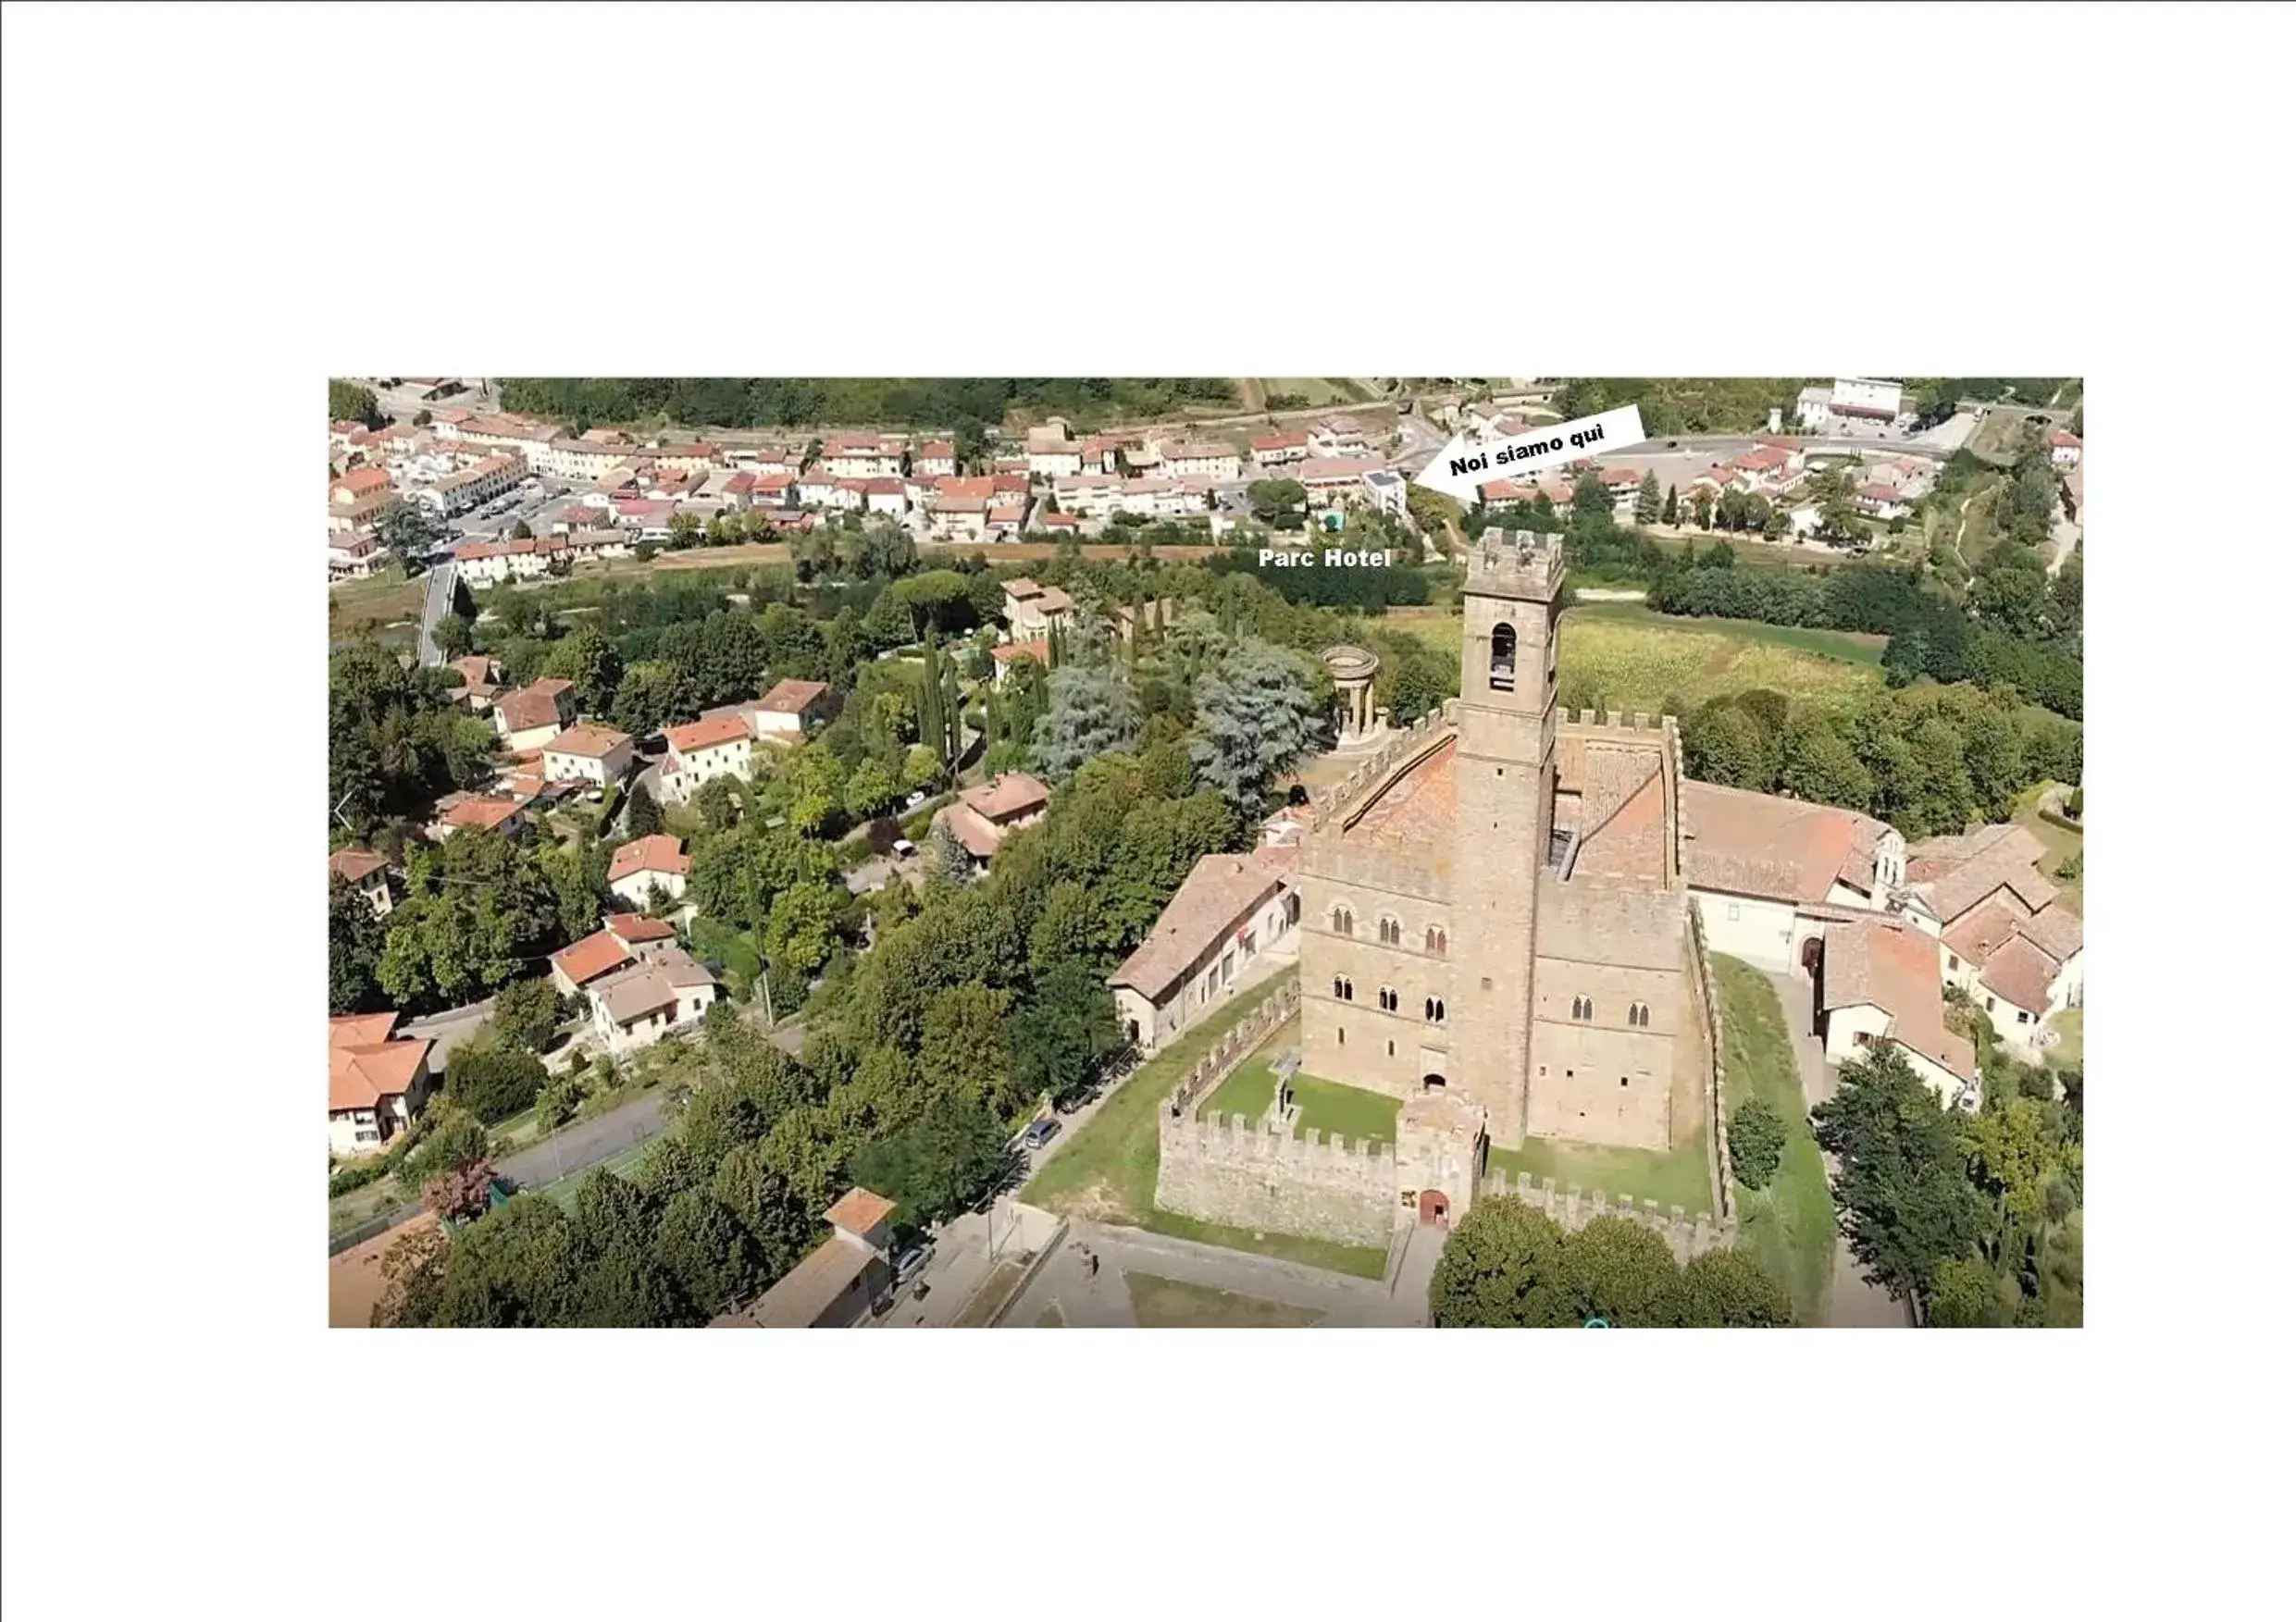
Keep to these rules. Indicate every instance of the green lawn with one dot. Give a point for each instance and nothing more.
(2061, 843)
(1332, 1108)
(1159, 1303)
(1788, 1227)
(1108, 1171)
(1677, 1178)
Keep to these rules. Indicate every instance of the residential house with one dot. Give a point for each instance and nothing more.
(485, 811)
(1030, 609)
(376, 1084)
(637, 869)
(367, 873)
(1878, 986)
(596, 754)
(352, 556)
(637, 932)
(1881, 501)
(934, 459)
(817, 487)
(1090, 495)
(1270, 451)
(859, 456)
(711, 747)
(1203, 459)
(458, 493)
(489, 562)
(530, 716)
(987, 814)
(791, 708)
(2064, 449)
(1004, 655)
(2003, 935)
(834, 1287)
(1051, 452)
(1228, 911)
(1342, 436)
(1335, 481)
(596, 955)
(479, 675)
(635, 1007)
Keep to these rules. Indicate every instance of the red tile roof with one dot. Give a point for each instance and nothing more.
(481, 812)
(589, 742)
(638, 927)
(706, 733)
(654, 853)
(354, 865)
(791, 696)
(590, 956)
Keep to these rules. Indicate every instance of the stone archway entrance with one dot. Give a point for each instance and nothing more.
(1435, 1208)
(1813, 953)
(1431, 1083)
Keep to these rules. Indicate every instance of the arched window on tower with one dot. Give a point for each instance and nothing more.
(1581, 1008)
(1388, 999)
(1390, 933)
(1438, 944)
(1639, 1014)
(1502, 658)
(1434, 1011)
(1343, 921)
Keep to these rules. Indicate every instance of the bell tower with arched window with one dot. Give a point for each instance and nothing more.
(1505, 778)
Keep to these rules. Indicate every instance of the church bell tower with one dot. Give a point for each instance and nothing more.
(1505, 773)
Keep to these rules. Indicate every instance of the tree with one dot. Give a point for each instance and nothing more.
(921, 768)
(521, 530)
(965, 1047)
(558, 1102)
(1727, 1289)
(409, 533)
(1256, 715)
(413, 1271)
(525, 1014)
(715, 805)
(1724, 743)
(642, 816)
(941, 1163)
(450, 1136)
(1702, 509)
(492, 1081)
(452, 635)
(1502, 1268)
(1064, 1030)
(1906, 1201)
(1590, 497)
(355, 947)
(587, 657)
(351, 402)
(1647, 504)
(704, 1248)
(1818, 764)
(803, 926)
(1670, 513)
(460, 1193)
(685, 530)
(1092, 712)
(951, 862)
(868, 791)
(1757, 1142)
(1622, 1273)
(1272, 498)
(1967, 1295)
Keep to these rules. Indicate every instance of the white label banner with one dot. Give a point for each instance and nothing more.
(1460, 469)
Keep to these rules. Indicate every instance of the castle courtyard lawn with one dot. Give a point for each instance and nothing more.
(1331, 1107)
(1107, 1172)
(1677, 1178)
(1174, 1304)
(1788, 1227)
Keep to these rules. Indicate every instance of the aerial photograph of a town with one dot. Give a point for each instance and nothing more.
(1142, 852)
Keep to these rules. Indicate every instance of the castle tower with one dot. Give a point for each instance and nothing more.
(1506, 798)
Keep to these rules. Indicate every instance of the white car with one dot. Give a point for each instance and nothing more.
(903, 850)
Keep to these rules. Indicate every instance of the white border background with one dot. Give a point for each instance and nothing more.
(210, 210)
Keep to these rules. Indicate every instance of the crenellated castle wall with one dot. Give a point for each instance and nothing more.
(1246, 1174)
(1572, 1210)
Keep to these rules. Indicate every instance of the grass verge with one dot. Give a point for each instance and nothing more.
(1331, 1107)
(1787, 1226)
(1676, 1178)
(1159, 1303)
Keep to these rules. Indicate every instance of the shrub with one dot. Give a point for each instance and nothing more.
(492, 1083)
(356, 1176)
(1757, 1142)
(555, 1105)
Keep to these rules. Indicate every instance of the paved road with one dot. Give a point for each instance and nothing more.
(436, 598)
(1853, 1301)
(1090, 1299)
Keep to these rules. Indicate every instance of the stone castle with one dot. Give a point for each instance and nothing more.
(1493, 909)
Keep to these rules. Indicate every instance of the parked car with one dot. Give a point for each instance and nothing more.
(903, 849)
(1040, 1132)
(910, 1263)
(914, 802)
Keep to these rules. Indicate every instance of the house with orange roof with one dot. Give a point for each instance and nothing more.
(488, 812)
(1226, 912)
(658, 991)
(1877, 985)
(594, 754)
(658, 861)
(1768, 875)
(376, 1084)
(530, 716)
(366, 872)
(716, 746)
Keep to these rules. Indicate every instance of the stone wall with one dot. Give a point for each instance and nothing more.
(1233, 1046)
(1255, 1174)
(1706, 1010)
(1573, 1209)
